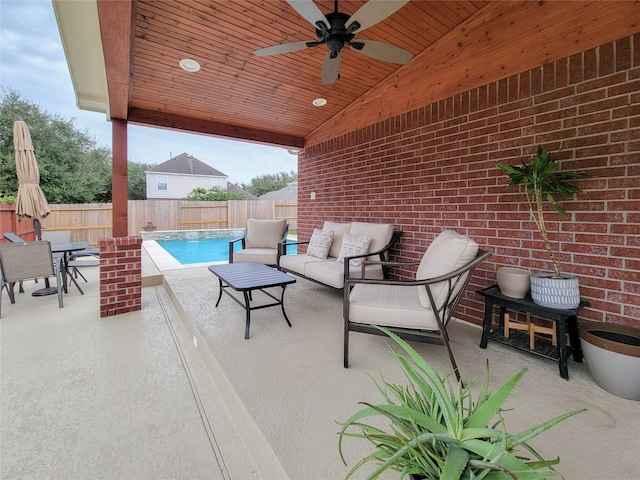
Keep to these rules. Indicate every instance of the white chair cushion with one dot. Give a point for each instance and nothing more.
(320, 243)
(448, 252)
(391, 305)
(264, 233)
(339, 229)
(354, 245)
(267, 256)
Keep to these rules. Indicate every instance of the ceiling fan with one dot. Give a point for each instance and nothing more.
(336, 29)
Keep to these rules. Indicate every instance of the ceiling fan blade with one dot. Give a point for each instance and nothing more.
(284, 48)
(373, 12)
(330, 68)
(382, 51)
(310, 11)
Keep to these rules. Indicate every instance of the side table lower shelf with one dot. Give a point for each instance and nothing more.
(520, 340)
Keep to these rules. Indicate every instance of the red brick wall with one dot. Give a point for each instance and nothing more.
(434, 168)
(120, 275)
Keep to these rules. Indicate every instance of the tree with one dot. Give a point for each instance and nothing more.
(270, 182)
(137, 180)
(73, 169)
(212, 195)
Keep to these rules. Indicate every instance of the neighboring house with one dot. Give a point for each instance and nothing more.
(286, 194)
(231, 187)
(178, 176)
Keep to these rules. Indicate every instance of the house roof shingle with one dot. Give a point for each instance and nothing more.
(186, 164)
(245, 195)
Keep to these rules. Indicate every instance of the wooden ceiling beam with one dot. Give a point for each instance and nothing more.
(150, 118)
(116, 30)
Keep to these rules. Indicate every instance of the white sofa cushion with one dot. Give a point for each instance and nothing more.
(297, 263)
(320, 243)
(354, 245)
(380, 234)
(448, 252)
(331, 272)
(264, 233)
(339, 229)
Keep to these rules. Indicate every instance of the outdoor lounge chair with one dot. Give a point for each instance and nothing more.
(260, 242)
(26, 261)
(417, 309)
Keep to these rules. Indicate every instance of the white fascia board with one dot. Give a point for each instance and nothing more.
(79, 28)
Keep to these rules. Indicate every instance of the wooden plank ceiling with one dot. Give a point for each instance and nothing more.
(269, 99)
(264, 99)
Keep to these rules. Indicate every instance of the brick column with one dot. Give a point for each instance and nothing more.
(120, 275)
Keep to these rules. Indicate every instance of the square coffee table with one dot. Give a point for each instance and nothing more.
(246, 277)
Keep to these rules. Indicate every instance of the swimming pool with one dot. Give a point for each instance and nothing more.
(190, 247)
(196, 246)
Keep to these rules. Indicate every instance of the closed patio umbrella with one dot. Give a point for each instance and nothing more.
(31, 201)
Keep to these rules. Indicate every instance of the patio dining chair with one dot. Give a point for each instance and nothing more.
(259, 242)
(64, 236)
(26, 261)
(13, 238)
(419, 309)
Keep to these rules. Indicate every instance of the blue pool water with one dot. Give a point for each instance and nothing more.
(204, 250)
(199, 251)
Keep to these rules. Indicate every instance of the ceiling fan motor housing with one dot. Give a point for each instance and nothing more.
(337, 35)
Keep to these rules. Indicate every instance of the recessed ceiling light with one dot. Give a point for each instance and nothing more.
(320, 102)
(189, 65)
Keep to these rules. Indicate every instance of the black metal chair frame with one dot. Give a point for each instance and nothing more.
(456, 282)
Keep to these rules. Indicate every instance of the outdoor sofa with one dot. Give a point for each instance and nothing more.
(337, 251)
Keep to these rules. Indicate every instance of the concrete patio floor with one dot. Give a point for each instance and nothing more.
(174, 391)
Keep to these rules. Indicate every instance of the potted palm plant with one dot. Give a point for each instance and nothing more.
(439, 432)
(542, 182)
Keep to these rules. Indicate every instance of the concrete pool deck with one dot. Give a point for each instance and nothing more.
(133, 397)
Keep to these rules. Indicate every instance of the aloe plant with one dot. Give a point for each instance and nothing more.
(541, 182)
(438, 430)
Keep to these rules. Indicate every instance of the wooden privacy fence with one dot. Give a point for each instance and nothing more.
(89, 222)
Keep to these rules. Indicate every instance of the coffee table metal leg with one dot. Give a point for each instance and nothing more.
(282, 305)
(220, 295)
(247, 308)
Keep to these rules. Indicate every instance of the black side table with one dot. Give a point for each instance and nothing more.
(566, 322)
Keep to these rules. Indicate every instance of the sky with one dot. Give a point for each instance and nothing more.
(32, 63)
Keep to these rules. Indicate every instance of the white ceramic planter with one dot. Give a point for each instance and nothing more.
(513, 282)
(612, 354)
(553, 292)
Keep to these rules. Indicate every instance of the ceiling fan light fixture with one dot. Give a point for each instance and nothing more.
(189, 65)
(319, 102)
